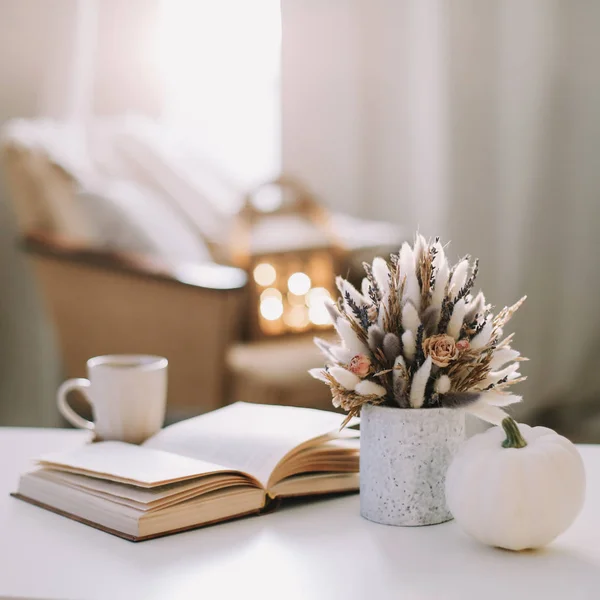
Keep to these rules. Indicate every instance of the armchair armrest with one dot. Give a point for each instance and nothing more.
(209, 276)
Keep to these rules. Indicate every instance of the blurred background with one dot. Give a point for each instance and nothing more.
(183, 177)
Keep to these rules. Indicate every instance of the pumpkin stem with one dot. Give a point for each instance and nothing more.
(514, 439)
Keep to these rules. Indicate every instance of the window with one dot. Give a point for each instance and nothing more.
(220, 63)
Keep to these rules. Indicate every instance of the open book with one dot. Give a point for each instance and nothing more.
(221, 465)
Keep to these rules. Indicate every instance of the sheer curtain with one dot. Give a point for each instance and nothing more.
(477, 121)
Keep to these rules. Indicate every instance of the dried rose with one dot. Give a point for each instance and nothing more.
(463, 345)
(442, 349)
(360, 365)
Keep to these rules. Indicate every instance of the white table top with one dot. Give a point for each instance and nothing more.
(311, 551)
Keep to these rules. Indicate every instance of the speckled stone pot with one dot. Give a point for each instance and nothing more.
(404, 456)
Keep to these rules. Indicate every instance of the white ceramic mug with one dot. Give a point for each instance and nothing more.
(127, 393)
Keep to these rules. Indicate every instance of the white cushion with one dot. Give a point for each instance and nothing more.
(161, 159)
(127, 216)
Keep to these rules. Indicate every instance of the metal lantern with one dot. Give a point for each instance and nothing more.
(283, 239)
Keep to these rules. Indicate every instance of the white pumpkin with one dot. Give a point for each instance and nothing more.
(515, 486)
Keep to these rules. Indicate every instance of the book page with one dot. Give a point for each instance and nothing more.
(142, 499)
(251, 438)
(127, 463)
(141, 495)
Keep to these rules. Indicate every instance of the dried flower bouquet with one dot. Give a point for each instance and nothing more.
(417, 337)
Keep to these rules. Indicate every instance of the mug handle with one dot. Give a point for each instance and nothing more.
(82, 385)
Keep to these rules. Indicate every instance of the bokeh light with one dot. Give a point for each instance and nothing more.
(271, 293)
(264, 274)
(316, 296)
(299, 283)
(271, 308)
(296, 317)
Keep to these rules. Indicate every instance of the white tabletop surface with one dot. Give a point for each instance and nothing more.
(318, 550)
